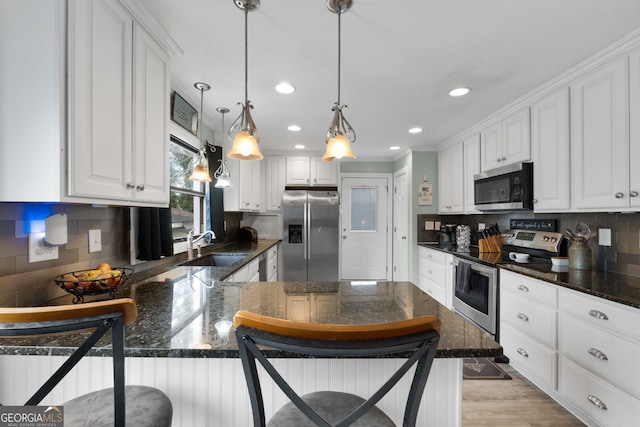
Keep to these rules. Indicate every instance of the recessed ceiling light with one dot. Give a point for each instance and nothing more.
(415, 130)
(294, 128)
(395, 147)
(460, 91)
(298, 146)
(285, 88)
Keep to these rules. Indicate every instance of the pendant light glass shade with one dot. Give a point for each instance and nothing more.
(222, 175)
(200, 164)
(243, 132)
(340, 135)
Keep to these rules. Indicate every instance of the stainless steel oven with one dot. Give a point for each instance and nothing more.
(476, 293)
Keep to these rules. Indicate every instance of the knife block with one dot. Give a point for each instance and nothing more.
(491, 244)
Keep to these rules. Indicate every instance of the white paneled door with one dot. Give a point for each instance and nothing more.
(366, 247)
(400, 226)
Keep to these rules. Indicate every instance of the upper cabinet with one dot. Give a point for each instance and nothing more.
(304, 170)
(599, 139)
(634, 131)
(550, 152)
(119, 89)
(274, 180)
(450, 180)
(471, 168)
(506, 142)
(100, 126)
(246, 192)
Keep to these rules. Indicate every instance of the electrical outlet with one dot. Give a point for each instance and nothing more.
(481, 226)
(604, 237)
(429, 225)
(95, 240)
(38, 250)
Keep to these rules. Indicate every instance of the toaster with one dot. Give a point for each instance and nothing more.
(248, 234)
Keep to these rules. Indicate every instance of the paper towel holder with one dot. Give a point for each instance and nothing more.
(55, 230)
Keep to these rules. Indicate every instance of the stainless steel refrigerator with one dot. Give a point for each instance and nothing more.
(311, 235)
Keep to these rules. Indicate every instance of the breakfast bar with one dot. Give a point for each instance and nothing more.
(182, 343)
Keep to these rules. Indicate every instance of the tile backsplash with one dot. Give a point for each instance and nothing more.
(24, 284)
(623, 256)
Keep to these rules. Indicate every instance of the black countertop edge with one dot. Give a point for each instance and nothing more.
(615, 287)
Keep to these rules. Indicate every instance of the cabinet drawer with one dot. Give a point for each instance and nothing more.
(434, 290)
(586, 391)
(611, 356)
(433, 256)
(536, 320)
(434, 272)
(531, 288)
(526, 353)
(606, 314)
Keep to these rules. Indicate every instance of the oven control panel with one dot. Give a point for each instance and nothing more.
(544, 240)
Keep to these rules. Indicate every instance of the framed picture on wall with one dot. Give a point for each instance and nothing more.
(184, 114)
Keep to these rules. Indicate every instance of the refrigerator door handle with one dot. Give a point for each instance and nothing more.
(305, 230)
(308, 229)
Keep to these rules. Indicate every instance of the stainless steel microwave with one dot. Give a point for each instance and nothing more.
(509, 188)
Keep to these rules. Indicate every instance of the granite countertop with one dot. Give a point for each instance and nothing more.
(178, 312)
(615, 287)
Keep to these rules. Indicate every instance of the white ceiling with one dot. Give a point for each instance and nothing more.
(399, 60)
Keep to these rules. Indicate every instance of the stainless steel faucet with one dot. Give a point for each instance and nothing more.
(191, 241)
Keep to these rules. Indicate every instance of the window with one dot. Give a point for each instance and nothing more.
(364, 203)
(187, 197)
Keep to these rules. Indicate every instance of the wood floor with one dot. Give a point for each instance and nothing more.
(511, 403)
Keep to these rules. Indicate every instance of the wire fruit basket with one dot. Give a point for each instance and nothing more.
(93, 282)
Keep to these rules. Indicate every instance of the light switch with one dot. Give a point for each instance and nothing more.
(604, 237)
(429, 225)
(95, 240)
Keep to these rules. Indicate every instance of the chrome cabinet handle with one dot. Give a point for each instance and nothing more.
(523, 316)
(596, 402)
(619, 195)
(130, 185)
(503, 159)
(523, 288)
(534, 201)
(597, 353)
(522, 352)
(633, 193)
(498, 159)
(140, 187)
(598, 315)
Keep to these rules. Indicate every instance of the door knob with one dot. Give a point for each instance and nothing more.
(344, 237)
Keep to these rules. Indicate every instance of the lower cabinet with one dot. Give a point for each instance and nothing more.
(272, 264)
(580, 349)
(436, 275)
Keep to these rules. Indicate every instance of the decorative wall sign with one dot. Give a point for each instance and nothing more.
(425, 193)
(184, 114)
(534, 224)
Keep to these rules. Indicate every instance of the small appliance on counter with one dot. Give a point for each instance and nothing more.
(463, 237)
(248, 234)
(447, 234)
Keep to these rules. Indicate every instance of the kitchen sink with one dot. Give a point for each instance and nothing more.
(217, 260)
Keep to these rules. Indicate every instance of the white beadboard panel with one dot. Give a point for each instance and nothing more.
(212, 392)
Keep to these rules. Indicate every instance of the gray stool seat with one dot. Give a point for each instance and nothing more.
(145, 406)
(333, 406)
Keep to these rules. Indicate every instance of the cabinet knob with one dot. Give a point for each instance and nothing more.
(498, 159)
(619, 195)
(596, 402)
(523, 316)
(633, 193)
(140, 187)
(597, 354)
(503, 159)
(535, 201)
(598, 315)
(130, 185)
(523, 288)
(522, 352)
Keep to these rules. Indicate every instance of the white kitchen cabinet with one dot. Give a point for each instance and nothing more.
(272, 264)
(119, 89)
(436, 275)
(599, 141)
(528, 327)
(506, 142)
(550, 149)
(634, 131)
(304, 170)
(246, 191)
(450, 180)
(274, 180)
(599, 345)
(471, 167)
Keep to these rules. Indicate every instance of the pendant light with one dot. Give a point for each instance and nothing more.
(243, 132)
(200, 163)
(340, 135)
(222, 175)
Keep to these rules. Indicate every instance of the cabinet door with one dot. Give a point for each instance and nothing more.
(491, 147)
(516, 134)
(151, 106)
(100, 137)
(246, 185)
(634, 132)
(550, 152)
(275, 178)
(297, 170)
(471, 152)
(450, 182)
(257, 186)
(323, 173)
(599, 144)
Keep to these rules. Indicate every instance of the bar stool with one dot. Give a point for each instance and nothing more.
(414, 339)
(137, 405)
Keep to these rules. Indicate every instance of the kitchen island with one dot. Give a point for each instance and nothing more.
(182, 344)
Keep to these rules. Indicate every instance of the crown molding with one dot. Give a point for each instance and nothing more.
(153, 27)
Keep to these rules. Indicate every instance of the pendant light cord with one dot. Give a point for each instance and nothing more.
(246, 56)
(339, 50)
